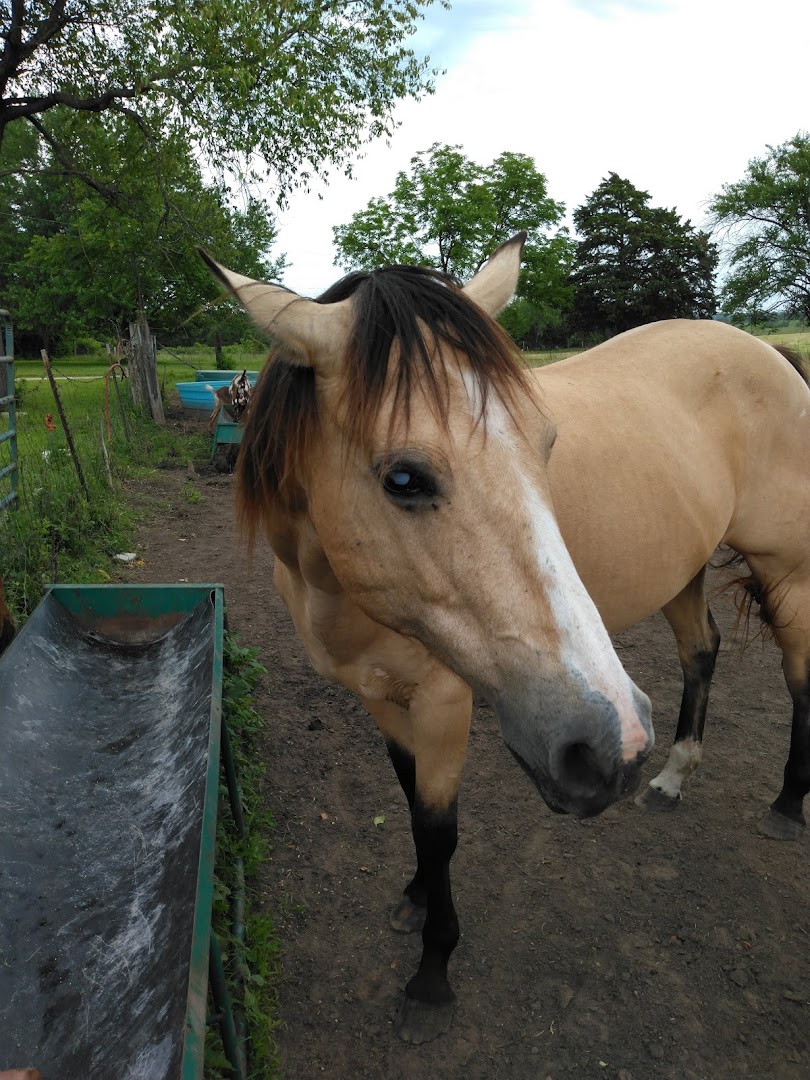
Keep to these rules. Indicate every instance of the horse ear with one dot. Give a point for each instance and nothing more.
(494, 285)
(312, 333)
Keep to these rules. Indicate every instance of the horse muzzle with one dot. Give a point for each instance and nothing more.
(582, 764)
(585, 792)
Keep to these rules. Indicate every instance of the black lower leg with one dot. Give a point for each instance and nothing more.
(797, 769)
(405, 768)
(429, 998)
(698, 670)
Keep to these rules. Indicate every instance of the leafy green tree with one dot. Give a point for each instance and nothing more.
(81, 262)
(450, 213)
(539, 314)
(766, 221)
(288, 85)
(636, 263)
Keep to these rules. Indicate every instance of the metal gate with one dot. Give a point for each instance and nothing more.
(9, 435)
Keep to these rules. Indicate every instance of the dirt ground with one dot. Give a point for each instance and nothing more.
(628, 947)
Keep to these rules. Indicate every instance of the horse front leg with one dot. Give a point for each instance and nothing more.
(427, 743)
(410, 913)
(429, 1002)
(698, 641)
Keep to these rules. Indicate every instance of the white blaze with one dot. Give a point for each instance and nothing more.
(586, 648)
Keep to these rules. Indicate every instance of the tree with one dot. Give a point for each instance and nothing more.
(289, 85)
(637, 263)
(78, 263)
(766, 220)
(450, 213)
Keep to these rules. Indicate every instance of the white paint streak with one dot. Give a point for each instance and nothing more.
(684, 758)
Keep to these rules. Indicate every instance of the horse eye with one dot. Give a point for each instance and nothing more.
(404, 481)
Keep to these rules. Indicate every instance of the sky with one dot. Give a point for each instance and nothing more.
(676, 96)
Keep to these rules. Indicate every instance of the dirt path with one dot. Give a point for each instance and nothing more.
(628, 946)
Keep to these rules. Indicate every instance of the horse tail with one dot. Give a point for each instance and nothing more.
(795, 361)
(751, 597)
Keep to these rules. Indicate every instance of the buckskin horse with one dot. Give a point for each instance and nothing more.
(445, 521)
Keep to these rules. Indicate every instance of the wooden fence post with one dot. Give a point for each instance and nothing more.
(68, 433)
(143, 369)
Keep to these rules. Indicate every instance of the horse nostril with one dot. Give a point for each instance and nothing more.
(579, 769)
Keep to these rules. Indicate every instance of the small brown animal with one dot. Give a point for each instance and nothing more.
(234, 399)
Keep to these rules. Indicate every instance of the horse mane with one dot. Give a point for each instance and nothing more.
(416, 308)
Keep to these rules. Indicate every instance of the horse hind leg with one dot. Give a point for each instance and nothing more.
(698, 641)
(787, 608)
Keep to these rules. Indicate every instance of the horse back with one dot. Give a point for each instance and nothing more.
(673, 438)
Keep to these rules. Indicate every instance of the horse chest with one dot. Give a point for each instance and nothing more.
(346, 646)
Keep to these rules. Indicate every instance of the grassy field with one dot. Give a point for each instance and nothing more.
(65, 530)
(794, 339)
(174, 365)
(798, 340)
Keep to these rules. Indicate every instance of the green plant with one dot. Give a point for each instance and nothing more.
(192, 494)
(252, 964)
(62, 530)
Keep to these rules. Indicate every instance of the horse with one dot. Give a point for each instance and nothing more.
(446, 522)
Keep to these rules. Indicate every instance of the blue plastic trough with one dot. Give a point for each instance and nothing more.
(213, 376)
(196, 395)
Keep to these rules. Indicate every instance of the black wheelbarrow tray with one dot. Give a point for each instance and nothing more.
(110, 724)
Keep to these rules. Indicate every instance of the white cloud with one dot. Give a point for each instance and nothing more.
(675, 96)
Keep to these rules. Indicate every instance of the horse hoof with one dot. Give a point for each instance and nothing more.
(419, 1022)
(655, 800)
(408, 917)
(778, 827)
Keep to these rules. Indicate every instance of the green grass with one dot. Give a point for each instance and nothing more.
(61, 532)
(797, 338)
(551, 356)
(252, 967)
(192, 494)
(174, 364)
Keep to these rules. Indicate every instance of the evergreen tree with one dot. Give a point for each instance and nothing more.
(636, 263)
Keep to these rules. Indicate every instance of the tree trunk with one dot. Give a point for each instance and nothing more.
(143, 369)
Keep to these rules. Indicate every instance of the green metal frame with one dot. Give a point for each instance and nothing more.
(227, 432)
(155, 602)
(7, 401)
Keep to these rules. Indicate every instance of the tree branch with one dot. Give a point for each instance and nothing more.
(108, 194)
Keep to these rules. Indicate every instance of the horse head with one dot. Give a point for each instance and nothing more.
(397, 419)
